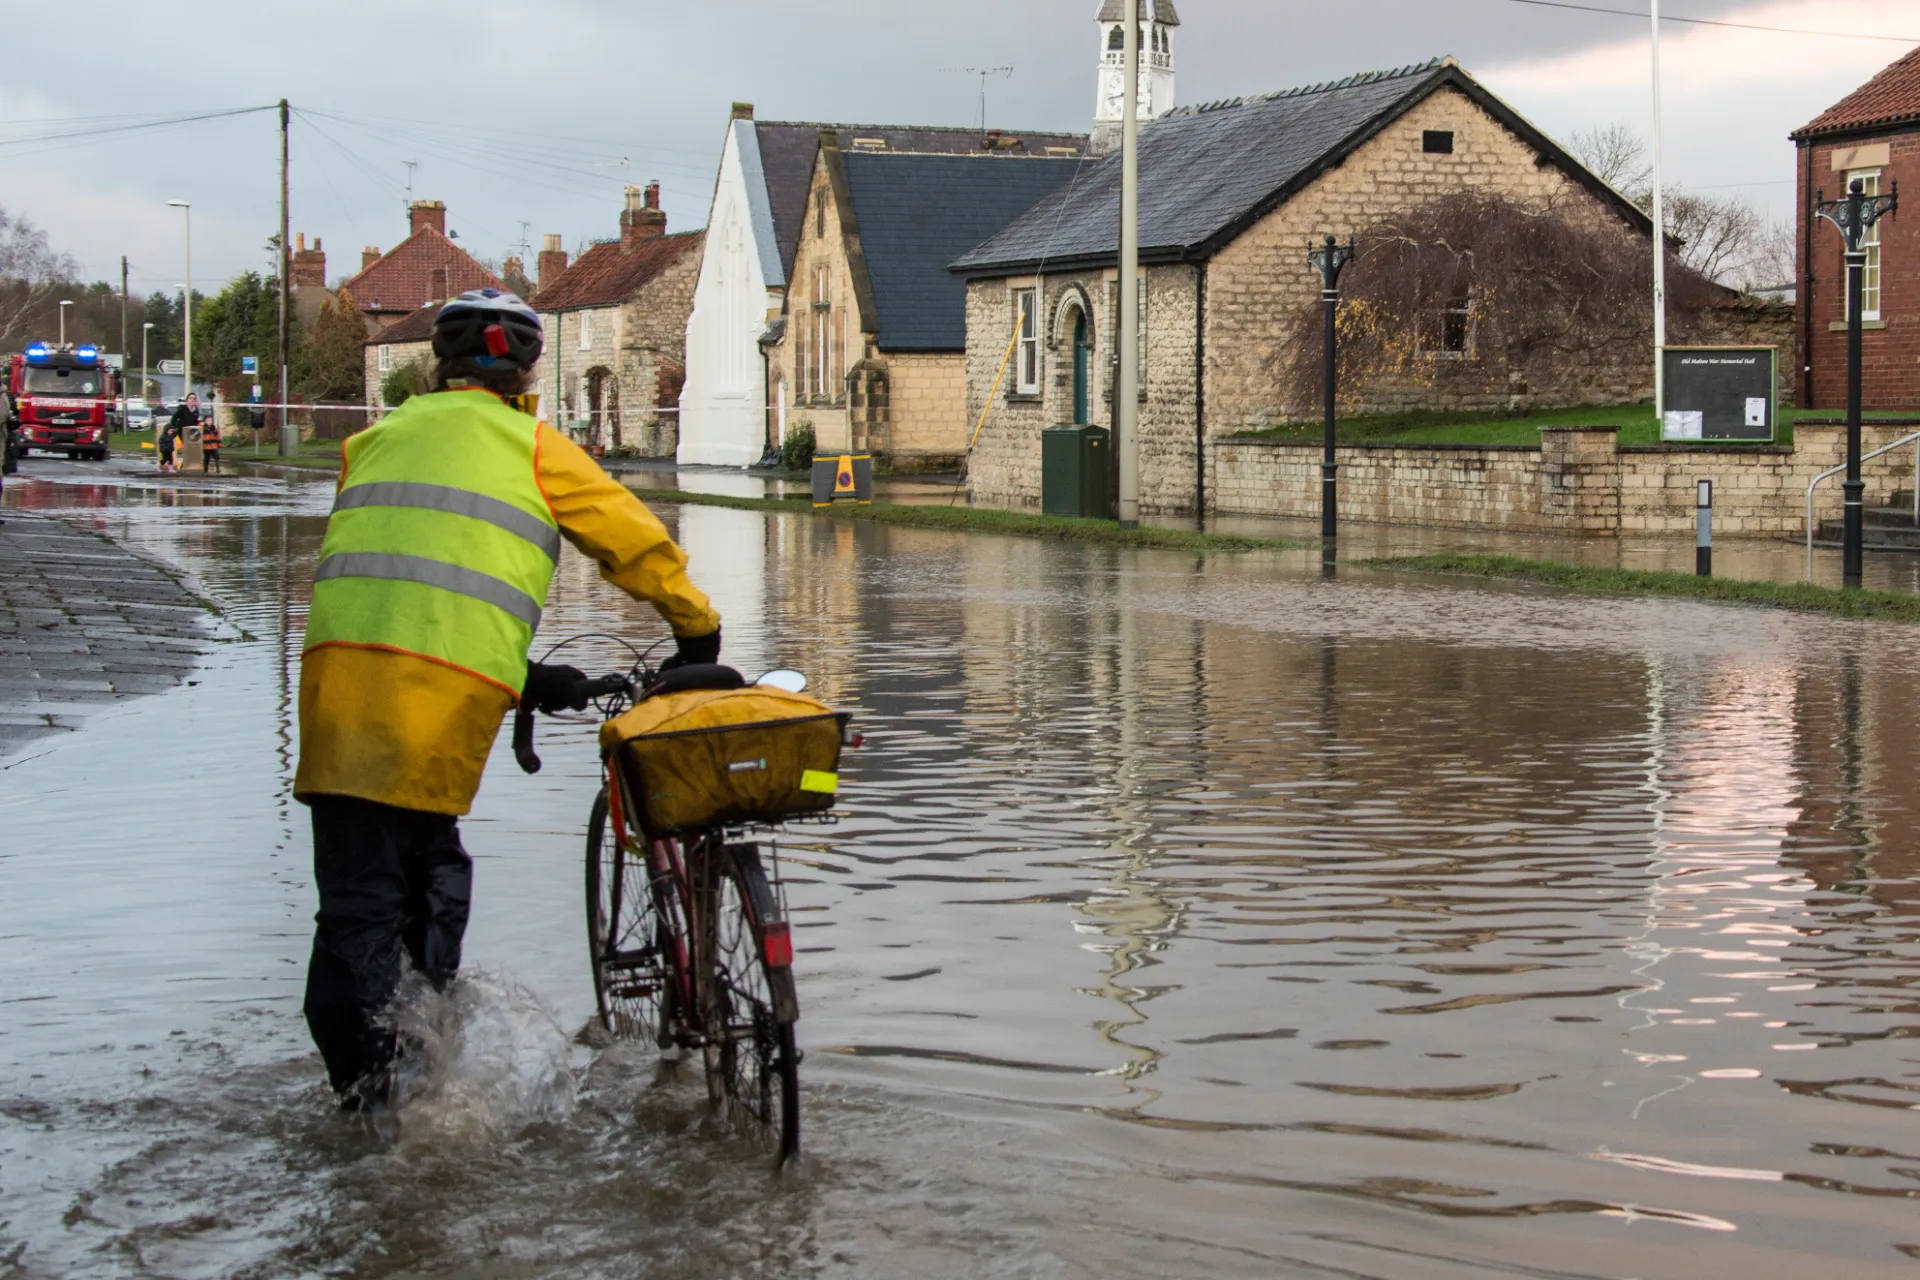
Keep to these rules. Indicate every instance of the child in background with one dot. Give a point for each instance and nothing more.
(210, 443)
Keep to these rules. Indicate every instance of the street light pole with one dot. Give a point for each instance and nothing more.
(1854, 216)
(64, 304)
(1329, 258)
(186, 305)
(145, 329)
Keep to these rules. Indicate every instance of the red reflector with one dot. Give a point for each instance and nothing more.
(496, 340)
(779, 944)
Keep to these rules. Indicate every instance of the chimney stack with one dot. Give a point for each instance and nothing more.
(513, 274)
(309, 266)
(437, 284)
(552, 260)
(427, 213)
(369, 255)
(642, 219)
(743, 111)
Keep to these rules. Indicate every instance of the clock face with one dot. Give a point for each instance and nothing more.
(1113, 94)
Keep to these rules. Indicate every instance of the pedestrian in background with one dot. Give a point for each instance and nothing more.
(187, 414)
(210, 442)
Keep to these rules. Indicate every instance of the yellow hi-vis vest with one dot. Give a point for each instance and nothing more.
(441, 543)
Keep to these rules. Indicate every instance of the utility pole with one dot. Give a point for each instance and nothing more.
(1659, 247)
(1854, 216)
(1127, 420)
(123, 342)
(289, 434)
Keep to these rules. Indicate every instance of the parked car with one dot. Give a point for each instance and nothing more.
(140, 416)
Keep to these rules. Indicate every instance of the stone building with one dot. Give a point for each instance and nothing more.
(616, 326)
(1231, 195)
(872, 347)
(760, 199)
(1872, 135)
(405, 341)
(425, 267)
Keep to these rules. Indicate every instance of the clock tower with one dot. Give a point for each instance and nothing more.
(1156, 67)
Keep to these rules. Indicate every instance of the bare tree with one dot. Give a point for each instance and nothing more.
(1775, 259)
(31, 272)
(1615, 154)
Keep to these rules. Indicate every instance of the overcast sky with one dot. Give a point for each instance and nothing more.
(531, 114)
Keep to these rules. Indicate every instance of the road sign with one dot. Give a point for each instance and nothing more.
(249, 365)
(113, 361)
(173, 368)
(1719, 393)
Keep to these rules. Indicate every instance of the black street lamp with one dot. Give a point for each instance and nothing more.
(1329, 258)
(1853, 216)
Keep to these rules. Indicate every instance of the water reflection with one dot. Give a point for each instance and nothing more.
(1186, 917)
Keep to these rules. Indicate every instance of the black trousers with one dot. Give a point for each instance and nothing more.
(391, 881)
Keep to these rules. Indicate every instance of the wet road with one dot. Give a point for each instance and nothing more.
(1187, 917)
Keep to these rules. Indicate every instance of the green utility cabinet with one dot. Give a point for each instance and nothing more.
(1075, 465)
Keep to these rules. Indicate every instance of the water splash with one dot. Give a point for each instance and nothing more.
(483, 1060)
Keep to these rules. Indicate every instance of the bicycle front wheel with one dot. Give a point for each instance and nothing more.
(753, 1064)
(635, 936)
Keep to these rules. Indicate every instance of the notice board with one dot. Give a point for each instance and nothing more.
(1719, 393)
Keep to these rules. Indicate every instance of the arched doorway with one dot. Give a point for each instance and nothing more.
(1082, 366)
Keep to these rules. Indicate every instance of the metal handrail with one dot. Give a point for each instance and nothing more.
(1913, 439)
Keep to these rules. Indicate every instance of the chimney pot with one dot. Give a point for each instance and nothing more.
(299, 241)
(307, 265)
(642, 219)
(368, 256)
(552, 260)
(427, 213)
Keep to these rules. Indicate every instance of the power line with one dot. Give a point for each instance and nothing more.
(155, 123)
(1715, 22)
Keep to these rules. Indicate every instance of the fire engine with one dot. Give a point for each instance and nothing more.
(63, 399)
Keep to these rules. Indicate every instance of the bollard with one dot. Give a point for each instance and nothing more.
(1703, 530)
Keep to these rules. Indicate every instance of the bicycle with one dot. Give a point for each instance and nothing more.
(687, 932)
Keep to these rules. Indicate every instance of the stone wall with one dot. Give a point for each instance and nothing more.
(1579, 481)
(398, 354)
(928, 425)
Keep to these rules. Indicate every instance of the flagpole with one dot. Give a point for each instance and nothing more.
(1659, 246)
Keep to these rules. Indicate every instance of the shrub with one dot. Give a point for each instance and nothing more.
(403, 383)
(796, 451)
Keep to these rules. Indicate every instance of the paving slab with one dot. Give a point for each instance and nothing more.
(84, 624)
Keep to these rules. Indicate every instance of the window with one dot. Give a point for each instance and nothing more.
(1869, 180)
(821, 379)
(819, 212)
(1117, 38)
(1437, 142)
(1026, 355)
(386, 358)
(1446, 332)
(586, 330)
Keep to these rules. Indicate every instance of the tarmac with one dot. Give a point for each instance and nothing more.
(84, 624)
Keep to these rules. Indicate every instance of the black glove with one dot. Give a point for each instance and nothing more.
(554, 688)
(695, 651)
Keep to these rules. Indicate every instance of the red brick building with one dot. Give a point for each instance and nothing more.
(425, 267)
(1872, 134)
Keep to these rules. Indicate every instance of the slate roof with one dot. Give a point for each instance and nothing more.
(916, 213)
(415, 327)
(607, 274)
(1208, 172)
(1163, 12)
(787, 151)
(402, 278)
(1892, 97)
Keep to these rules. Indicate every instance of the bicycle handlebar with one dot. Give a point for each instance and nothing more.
(584, 691)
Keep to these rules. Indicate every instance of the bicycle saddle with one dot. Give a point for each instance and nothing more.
(703, 675)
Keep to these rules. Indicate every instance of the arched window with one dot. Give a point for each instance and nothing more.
(1117, 38)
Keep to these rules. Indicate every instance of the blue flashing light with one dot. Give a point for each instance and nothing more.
(86, 355)
(37, 352)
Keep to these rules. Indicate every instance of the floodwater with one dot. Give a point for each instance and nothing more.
(1186, 917)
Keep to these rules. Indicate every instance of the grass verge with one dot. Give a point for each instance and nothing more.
(1800, 597)
(980, 520)
(1421, 426)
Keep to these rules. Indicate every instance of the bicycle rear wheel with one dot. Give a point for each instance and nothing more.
(753, 1064)
(636, 938)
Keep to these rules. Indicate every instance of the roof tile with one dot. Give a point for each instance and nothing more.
(402, 279)
(1891, 97)
(608, 274)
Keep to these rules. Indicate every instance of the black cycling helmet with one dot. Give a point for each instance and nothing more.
(490, 327)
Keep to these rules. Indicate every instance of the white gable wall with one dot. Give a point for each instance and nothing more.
(723, 415)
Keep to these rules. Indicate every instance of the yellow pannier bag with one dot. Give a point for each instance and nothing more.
(725, 757)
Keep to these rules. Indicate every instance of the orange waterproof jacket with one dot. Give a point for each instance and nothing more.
(408, 731)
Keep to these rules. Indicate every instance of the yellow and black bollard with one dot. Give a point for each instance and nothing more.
(845, 478)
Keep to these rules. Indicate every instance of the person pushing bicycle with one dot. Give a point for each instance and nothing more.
(443, 539)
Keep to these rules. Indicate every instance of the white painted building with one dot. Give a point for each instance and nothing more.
(723, 406)
(1156, 68)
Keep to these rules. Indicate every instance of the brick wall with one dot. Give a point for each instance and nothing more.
(1578, 481)
(1890, 349)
